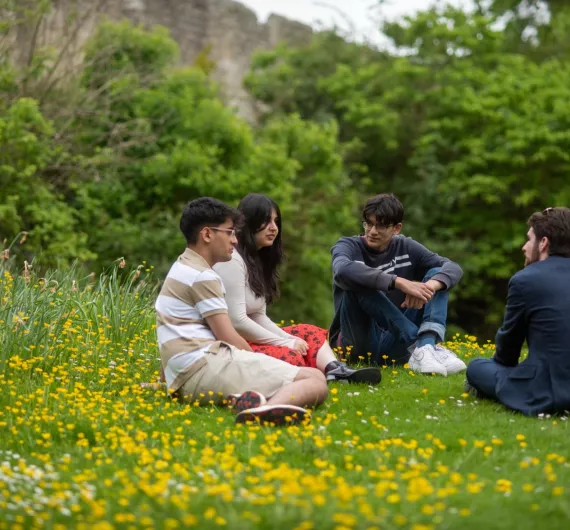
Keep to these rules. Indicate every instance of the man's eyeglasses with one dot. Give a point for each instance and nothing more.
(379, 228)
(231, 231)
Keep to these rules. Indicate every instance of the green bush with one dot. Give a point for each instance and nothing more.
(139, 138)
(470, 133)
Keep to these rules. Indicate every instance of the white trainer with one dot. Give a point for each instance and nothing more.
(424, 360)
(449, 359)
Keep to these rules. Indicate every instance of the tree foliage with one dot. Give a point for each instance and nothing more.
(107, 175)
(471, 136)
(466, 118)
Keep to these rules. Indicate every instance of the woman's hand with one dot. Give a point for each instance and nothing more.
(301, 346)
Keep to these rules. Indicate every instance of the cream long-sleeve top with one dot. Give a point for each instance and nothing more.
(248, 311)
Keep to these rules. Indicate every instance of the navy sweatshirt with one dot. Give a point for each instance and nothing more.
(357, 267)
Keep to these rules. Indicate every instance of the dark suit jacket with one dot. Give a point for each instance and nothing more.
(538, 311)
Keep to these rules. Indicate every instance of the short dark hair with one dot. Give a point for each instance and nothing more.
(553, 223)
(386, 207)
(202, 212)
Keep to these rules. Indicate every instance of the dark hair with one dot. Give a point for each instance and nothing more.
(263, 264)
(202, 212)
(386, 207)
(553, 223)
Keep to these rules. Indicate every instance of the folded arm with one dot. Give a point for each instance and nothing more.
(256, 327)
(222, 328)
(261, 318)
(450, 273)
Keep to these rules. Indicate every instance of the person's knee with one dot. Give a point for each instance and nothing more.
(312, 373)
(318, 386)
(431, 273)
(474, 367)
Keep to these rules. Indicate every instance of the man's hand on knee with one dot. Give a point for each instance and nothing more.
(417, 292)
(412, 302)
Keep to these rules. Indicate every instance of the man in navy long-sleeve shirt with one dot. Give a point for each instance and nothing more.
(391, 293)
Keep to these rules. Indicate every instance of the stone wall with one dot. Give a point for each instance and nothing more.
(229, 28)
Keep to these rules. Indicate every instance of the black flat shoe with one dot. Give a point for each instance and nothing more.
(471, 390)
(340, 372)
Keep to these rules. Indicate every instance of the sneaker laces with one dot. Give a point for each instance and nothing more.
(444, 352)
(419, 353)
(441, 352)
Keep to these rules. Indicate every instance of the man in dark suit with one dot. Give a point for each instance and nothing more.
(538, 311)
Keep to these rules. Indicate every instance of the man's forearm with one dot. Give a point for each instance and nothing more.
(235, 339)
(360, 277)
(436, 284)
(510, 338)
(223, 330)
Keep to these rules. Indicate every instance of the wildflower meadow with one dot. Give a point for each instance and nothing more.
(83, 445)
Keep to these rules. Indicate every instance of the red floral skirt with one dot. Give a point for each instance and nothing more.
(314, 336)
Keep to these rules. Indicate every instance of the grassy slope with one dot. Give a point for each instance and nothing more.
(82, 445)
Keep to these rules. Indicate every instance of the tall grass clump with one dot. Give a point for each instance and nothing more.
(98, 327)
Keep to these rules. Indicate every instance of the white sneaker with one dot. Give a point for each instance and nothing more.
(424, 360)
(452, 363)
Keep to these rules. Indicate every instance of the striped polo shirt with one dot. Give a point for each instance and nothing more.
(191, 292)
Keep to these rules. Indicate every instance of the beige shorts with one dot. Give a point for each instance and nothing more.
(233, 371)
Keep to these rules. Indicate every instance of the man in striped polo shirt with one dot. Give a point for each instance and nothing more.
(203, 356)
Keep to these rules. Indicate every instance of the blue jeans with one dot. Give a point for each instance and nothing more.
(372, 323)
(484, 374)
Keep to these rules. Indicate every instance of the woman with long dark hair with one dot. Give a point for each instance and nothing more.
(251, 280)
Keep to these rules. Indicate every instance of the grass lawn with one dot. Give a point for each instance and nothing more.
(82, 446)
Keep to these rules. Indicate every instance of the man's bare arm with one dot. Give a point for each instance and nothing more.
(222, 328)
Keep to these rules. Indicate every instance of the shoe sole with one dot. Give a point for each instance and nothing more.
(248, 400)
(453, 364)
(333, 379)
(452, 371)
(429, 372)
(371, 376)
(273, 414)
